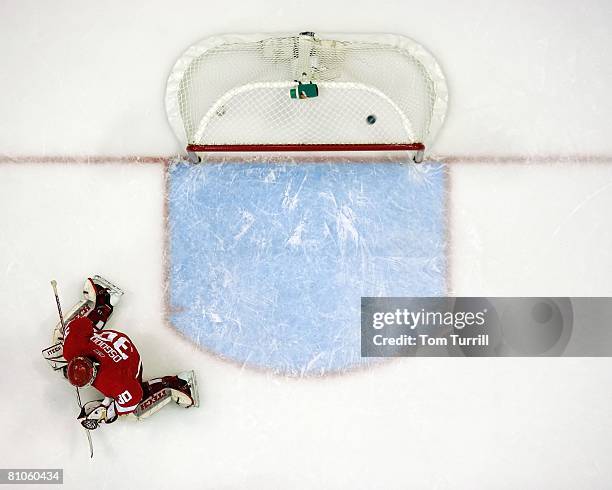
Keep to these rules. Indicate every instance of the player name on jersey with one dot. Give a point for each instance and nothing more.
(120, 347)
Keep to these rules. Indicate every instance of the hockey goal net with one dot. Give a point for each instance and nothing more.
(263, 93)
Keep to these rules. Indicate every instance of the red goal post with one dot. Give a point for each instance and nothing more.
(342, 93)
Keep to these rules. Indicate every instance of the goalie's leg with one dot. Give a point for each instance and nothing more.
(180, 389)
(99, 297)
(104, 296)
(183, 388)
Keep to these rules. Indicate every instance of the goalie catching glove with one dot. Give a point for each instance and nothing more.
(96, 412)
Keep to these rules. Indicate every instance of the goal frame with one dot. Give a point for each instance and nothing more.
(417, 149)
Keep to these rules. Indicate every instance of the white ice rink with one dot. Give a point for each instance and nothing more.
(83, 141)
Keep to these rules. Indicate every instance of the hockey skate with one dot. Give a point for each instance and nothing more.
(114, 292)
(186, 392)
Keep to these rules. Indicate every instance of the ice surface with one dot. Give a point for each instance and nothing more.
(268, 262)
(529, 87)
(384, 427)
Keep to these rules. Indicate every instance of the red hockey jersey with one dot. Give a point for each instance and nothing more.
(119, 370)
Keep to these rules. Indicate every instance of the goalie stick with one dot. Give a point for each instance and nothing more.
(61, 316)
(59, 306)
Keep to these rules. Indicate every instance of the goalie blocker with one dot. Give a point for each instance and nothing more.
(108, 360)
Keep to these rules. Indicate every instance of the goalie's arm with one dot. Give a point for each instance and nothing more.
(59, 353)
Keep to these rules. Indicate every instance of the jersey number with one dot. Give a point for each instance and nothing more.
(124, 397)
(121, 345)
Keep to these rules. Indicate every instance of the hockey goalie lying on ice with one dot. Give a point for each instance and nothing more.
(109, 361)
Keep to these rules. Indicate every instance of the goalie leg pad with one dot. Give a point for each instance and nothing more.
(153, 403)
(82, 308)
(182, 388)
(158, 392)
(99, 298)
(104, 295)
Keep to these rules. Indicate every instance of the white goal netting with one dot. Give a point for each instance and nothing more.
(249, 91)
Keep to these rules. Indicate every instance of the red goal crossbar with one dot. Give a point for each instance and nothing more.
(308, 147)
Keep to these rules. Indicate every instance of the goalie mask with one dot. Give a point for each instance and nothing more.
(81, 372)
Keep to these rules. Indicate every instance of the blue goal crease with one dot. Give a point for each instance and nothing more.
(268, 262)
